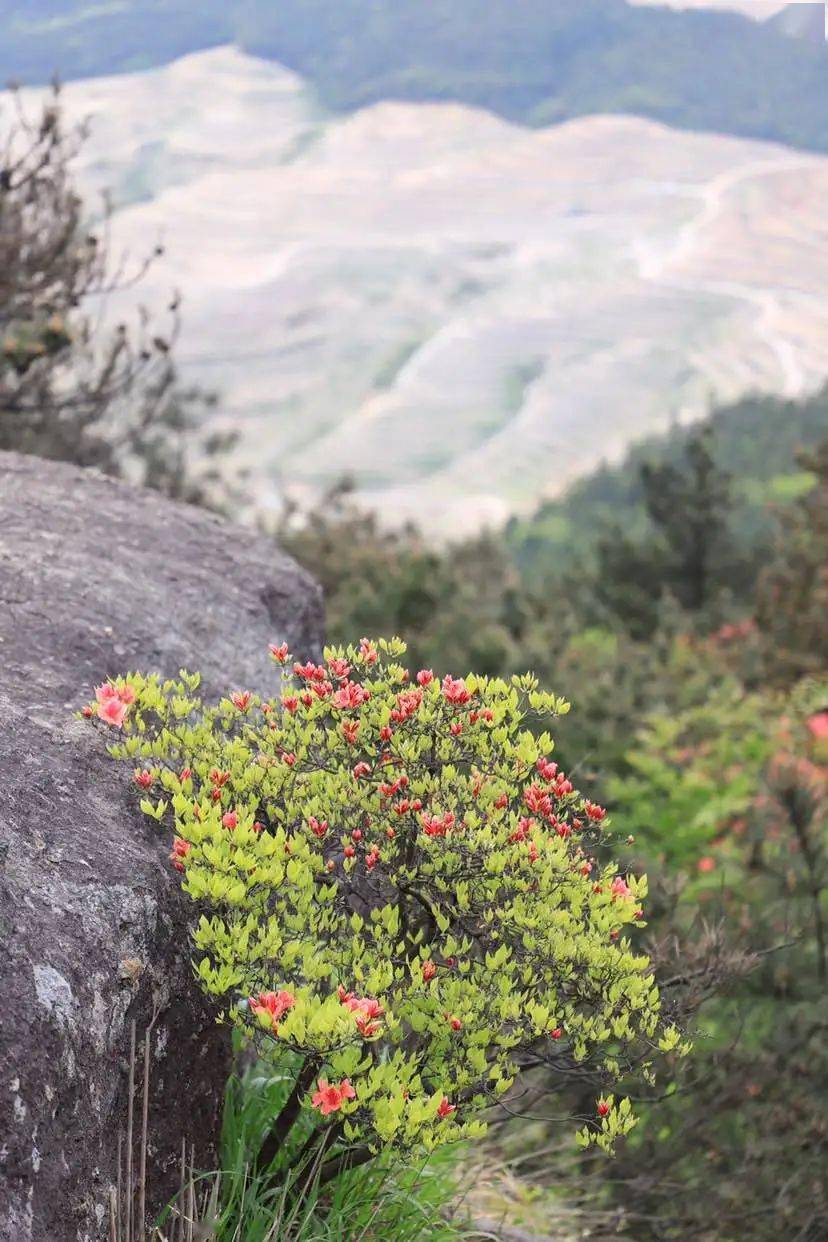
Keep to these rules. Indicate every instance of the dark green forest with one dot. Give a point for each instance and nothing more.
(532, 61)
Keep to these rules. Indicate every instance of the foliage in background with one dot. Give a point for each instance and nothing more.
(706, 741)
(793, 589)
(730, 797)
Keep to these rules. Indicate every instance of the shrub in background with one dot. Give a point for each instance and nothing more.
(400, 897)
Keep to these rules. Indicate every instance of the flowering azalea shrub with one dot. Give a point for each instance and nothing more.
(398, 890)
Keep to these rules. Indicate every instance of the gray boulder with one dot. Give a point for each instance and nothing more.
(97, 578)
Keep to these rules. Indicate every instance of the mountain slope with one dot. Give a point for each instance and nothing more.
(530, 61)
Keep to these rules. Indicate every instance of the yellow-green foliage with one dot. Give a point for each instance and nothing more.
(397, 889)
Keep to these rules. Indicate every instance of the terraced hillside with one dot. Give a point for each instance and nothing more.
(463, 314)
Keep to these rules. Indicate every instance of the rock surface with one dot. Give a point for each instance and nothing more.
(97, 578)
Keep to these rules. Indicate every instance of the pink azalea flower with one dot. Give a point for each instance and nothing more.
(112, 711)
(273, 1004)
(330, 1097)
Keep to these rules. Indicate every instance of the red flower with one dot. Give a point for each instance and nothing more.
(603, 1108)
(455, 691)
(425, 677)
(429, 971)
(367, 1012)
(547, 769)
(289, 758)
(279, 653)
(309, 671)
(445, 1109)
(386, 733)
(339, 668)
(143, 778)
(367, 651)
(307, 699)
(361, 769)
(372, 859)
(390, 833)
(706, 864)
(454, 1023)
(350, 695)
(620, 888)
(557, 1032)
(330, 1097)
(349, 851)
(456, 728)
(274, 1004)
(818, 726)
(436, 825)
(594, 812)
(113, 711)
(350, 730)
(180, 850)
(240, 699)
(230, 819)
(290, 702)
(317, 827)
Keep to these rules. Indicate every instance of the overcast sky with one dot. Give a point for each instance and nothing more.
(756, 8)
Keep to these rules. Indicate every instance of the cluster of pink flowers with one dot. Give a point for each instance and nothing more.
(366, 1009)
(180, 850)
(408, 704)
(437, 825)
(367, 651)
(523, 830)
(113, 703)
(350, 696)
(735, 630)
(388, 789)
(274, 1005)
(455, 690)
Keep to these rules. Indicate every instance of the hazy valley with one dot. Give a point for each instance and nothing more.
(461, 313)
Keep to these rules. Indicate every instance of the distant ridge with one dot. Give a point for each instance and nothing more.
(535, 62)
(801, 21)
